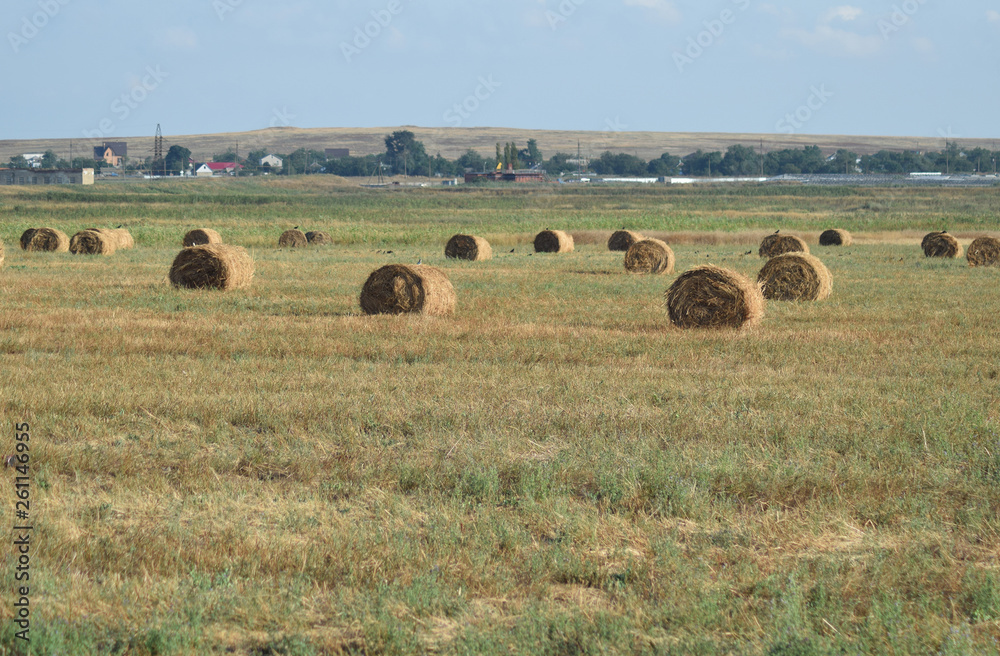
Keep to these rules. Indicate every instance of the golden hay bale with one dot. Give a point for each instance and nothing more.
(622, 240)
(293, 239)
(468, 247)
(712, 297)
(795, 277)
(941, 244)
(124, 238)
(650, 256)
(215, 266)
(774, 245)
(26, 237)
(200, 237)
(984, 251)
(318, 238)
(835, 237)
(49, 240)
(923, 242)
(398, 288)
(118, 236)
(553, 241)
(93, 242)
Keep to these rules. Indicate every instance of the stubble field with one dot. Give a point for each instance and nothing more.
(553, 470)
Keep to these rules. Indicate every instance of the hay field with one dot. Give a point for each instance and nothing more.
(551, 470)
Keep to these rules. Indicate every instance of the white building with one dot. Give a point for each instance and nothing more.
(271, 160)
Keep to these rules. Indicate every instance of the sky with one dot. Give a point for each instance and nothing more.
(117, 68)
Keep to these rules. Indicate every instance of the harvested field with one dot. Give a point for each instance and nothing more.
(552, 468)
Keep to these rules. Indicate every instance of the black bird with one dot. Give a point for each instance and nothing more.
(388, 252)
(419, 261)
(512, 250)
(777, 231)
(749, 253)
(295, 228)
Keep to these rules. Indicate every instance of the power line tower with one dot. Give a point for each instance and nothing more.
(158, 149)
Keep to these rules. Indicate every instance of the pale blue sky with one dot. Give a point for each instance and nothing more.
(75, 68)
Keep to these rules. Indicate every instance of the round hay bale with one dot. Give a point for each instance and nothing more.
(124, 238)
(293, 239)
(923, 242)
(468, 247)
(49, 240)
(318, 238)
(213, 266)
(941, 244)
(650, 256)
(984, 251)
(26, 237)
(118, 236)
(93, 242)
(835, 237)
(622, 240)
(795, 277)
(712, 297)
(553, 241)
(398, 288)
(774, 245)
(200, 237)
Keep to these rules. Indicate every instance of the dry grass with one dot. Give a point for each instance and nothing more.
(548, 470)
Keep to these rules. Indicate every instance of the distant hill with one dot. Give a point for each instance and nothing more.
(452, 142)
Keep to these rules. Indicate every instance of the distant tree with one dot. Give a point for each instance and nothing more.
(559, 163)
(666, 164)
(512, 158)
(845, 161)
(500, 158)
(405, 153)
(619, 164)
(740, 160)
(225, 156)
(175, 161)
(470, 161)
(702, 163)
(18, 162)
(49, 160)
(531, 155)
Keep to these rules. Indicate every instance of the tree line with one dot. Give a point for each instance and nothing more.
(406, 155)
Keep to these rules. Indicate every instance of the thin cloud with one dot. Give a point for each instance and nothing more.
(666, 10)
(838, 42)
(845, 13)
(993, 16)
